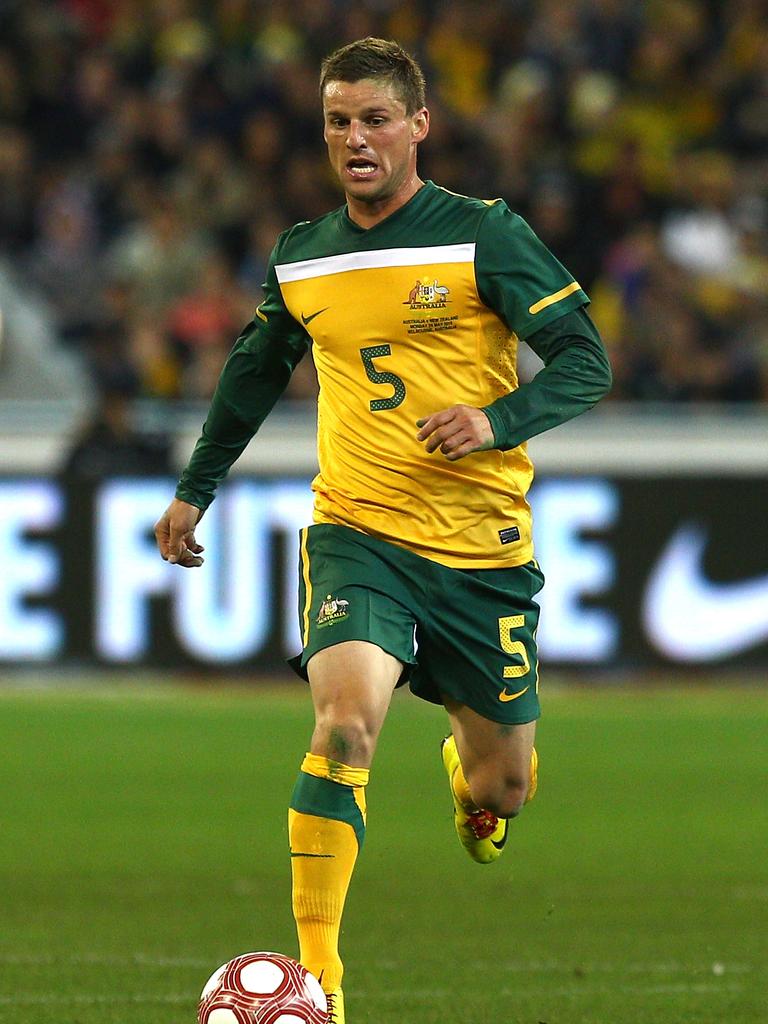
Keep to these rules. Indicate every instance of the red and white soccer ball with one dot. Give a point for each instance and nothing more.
(262, 988)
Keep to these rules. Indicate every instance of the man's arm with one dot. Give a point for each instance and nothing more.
(575, 376)
(254, 376)
(539, 300)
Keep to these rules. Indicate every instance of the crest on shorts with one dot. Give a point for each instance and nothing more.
(332, 610)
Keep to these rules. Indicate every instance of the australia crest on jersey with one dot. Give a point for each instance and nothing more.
(428, 294)
(426, 301)
(332, 610)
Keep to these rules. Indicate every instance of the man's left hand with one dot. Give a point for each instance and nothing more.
(457, 431)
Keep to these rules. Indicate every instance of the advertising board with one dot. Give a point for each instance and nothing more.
(640, 572)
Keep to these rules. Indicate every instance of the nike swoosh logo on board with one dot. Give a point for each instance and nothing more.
(504, 696)
(306, 320)
(688, 617)
(322, 856)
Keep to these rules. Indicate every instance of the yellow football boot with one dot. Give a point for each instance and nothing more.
(480, 832)
(335, 1006)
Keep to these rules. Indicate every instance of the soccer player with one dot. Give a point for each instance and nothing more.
(419, 565)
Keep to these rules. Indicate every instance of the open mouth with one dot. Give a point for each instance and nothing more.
(361, 168)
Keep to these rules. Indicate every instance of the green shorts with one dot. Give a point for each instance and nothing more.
(467, 633)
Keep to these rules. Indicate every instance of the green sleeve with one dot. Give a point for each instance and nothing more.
(254, 376)
(576, 375)
(518, 277)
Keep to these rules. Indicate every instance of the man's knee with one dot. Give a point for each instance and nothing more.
(344, 736)
(352, 684)
(503, 793)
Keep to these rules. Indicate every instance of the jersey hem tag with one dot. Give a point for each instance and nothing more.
(510, 534)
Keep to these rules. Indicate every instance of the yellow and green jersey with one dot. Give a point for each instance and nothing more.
(418, 313)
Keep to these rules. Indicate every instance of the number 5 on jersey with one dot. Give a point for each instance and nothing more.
(382, 377)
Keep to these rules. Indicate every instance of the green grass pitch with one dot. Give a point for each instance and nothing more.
(143, 842)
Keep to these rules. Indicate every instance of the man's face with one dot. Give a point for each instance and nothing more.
(371, 140)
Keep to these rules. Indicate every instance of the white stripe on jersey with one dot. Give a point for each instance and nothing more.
(374, 260)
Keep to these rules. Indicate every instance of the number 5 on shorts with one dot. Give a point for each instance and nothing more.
(506, 624)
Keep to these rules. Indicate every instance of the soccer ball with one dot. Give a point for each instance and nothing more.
(262, 988)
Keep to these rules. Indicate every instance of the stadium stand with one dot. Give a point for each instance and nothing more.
(150, 152)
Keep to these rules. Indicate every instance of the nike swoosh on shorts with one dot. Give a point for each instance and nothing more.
(504, 696)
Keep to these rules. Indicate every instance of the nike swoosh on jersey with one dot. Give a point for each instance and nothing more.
(690, 618)
(504, 696)
(319, 856)
(306, 320)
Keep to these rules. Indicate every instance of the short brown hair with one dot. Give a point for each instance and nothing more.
(376, 58)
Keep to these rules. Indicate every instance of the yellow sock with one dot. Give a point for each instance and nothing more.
(326, 827)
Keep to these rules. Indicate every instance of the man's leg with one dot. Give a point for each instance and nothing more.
(495, 758)
(493, 772)
(352, 685)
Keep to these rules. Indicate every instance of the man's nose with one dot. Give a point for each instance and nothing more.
(355, 135)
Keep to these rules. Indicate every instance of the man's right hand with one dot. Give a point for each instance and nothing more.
(175, 534)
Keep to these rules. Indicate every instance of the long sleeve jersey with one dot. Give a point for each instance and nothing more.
(420, 312)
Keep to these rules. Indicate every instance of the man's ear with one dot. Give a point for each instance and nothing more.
(420, 125)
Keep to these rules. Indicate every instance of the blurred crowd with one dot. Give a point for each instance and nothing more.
(151, 150)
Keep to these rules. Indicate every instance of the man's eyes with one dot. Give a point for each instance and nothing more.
(375, 122)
